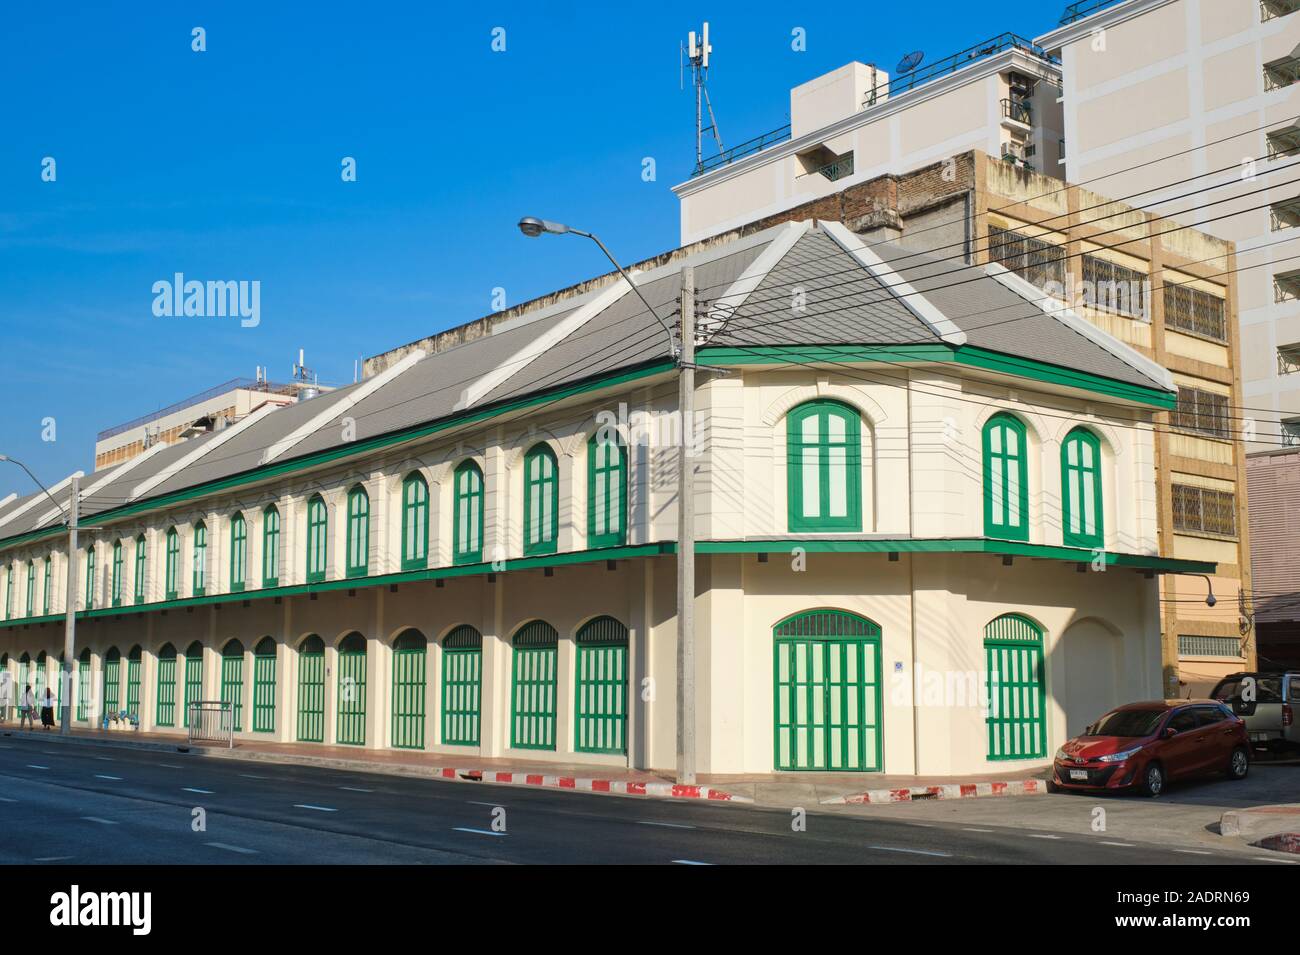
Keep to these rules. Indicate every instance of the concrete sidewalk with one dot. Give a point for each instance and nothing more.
(840, 789)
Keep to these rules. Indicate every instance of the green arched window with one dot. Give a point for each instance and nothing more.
(141, 558)
(31, 589)
(232, 681)
(1006, 479)
(1017, 721)
(116, 587)
(415, 522)
(606, 490)
(200, 582)
(462, 686)
(173, 563)
(358, 532)
(270, 549)
(238, 552)
(166, 697)
(467, 518)
(408, 697)
(1081, 503)
(264, 686)
(541, 500)
(600, 687)
(532, 686)
(824, 467)
(90, 578)
(9, 592)
(48, 584)
(317, 538)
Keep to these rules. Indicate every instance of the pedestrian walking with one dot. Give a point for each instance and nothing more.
(6, 694)
(47, 710)
(26, 706)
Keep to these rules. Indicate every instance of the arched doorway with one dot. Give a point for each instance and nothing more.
(462, 686)
(40, 672)
(1093, 660)
(311, 690)
(352, 690)
(827, 677)
(600, 688)
(1013, 655)
(193, 678)
(410, 651)
(112, 683)
(83, 685)
(133, 662)
(165, 709)
(532, 686)
(232, 681)
(264, 686)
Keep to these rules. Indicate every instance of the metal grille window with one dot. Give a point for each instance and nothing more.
(467, 518)
(116, 587)
(271, 547)
(133, 661)
(311, 690)
(193, 678)
(606, 491)
(141, 556)
(541, 501)
(532, 687)
(1037, 262)
(1081, 491)
(232, 681)
(1006, 479)
(1197, 646)
(1114, 288)
(238, 553)
(600, 703)
(173, 568)
(415, 523)
(317, 539)
(358, 532)
(200, 581)
(90, 578)
(112, 682)
(1200, 313)
(83, 686)
(462, 679)
(352, 690)
(826, 670)
(824, 467)
(264, 686)
(1203, 510)
(1205, 412)
(410, 653)
(166, 705)
(1017, 722)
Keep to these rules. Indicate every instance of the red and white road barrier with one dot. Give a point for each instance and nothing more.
(1282, 842)
(1021, 787)
(620, 787)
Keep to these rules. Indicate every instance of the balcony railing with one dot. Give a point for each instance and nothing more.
(1085, 8)
(1288, 360)
(1270, 9)
(838, 169)
(1017, 110)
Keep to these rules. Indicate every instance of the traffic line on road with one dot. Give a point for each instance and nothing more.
(251, 776)
(493, 805)
(51, 858)
(114, 778)
(918, 852)
(201, 792)
(479, 832)
(99, 819)
(356, 789)
(1194, 852)
(35, 766)
(1042, 835)
(975, 829)
(170, 766)
(689, 862)
(1122, 845)
(7, 799)
(666, 825)
(230, 848)
(303, 805)
(106, 759)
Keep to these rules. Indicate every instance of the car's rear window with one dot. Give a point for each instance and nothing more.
(1268, 687)
(1128, 723)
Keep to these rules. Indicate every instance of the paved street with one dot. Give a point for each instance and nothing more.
(89, 805)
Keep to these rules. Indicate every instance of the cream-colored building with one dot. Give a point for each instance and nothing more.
(925, 546)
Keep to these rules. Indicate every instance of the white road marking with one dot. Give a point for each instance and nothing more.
(7, 799)
(666, 825)
(191, 789)
(1283, 861)
(103, 822)
(107, 759)
(494, 805)
(1194, 852)
(1123, 845)
(303, 805)
(1042, 835)
(480, 832)
(919, 852)
(356, 789)
(230, 848)
(114, 778)
(974, 829)
(251, 776)
(689, 862)
(34, 766)
(170, 766)
(51, 858)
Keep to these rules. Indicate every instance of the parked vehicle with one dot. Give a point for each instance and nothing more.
(1143, 746)
(1267, 701)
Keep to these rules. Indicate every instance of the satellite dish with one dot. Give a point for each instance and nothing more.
(910, 62)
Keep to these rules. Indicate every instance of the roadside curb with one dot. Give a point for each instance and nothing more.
(1022, 787)
(617, 787)
(1282, 842)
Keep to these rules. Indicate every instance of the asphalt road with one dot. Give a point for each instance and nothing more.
(78, 804)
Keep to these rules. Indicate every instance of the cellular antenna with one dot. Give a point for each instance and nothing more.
(698, 50)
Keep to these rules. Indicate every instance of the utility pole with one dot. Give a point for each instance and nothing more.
(70, 612)
(686, 538)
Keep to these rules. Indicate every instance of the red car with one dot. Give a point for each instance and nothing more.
(1145, 745)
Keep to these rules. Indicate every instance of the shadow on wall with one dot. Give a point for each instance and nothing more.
(1094, 683)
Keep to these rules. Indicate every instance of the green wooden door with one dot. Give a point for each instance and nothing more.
(83, 687)
(1017, 722)
(532, 687)
(133, 684)
(311, 691)
(352, 691)
(39, 671)
(600, 704)
(165, 712)
(232, 682)
(264, 687)
(410, 652)
(112, 684)
(193, 679)
(827, 704)
(462, 686)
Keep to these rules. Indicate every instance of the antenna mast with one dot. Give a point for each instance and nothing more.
(698, 50)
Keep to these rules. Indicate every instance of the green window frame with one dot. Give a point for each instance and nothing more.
(606, 491)
(352, 691)
(83, 685)
(467, 514)
(24, 673)
(141, 562)
(827, 683)
(358, 562)
(600, 687)
(311, 690)
(532, 686)
(410, 656)
(462, 686)
(824, 467)
(238, 552)
(1017, 712)
(89, 602)
(9, 592)
(112, 696)
(270, 548)
(173, 567)
(541, 500)
(1006, 478)
(116, 588)
(133, 668)
(193, 679)
(415, 522)
(199, 583)
(264, 658)
(232, 681)
(165, 707)
(47, 586)
(31, 588)
(1082, 517)
(317, 539)
(40, 670)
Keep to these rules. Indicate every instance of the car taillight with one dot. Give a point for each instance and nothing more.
(1287, 716)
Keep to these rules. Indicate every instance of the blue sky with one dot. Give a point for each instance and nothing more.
(225, 165)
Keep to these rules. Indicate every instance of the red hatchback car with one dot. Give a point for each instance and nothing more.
(1145, 745)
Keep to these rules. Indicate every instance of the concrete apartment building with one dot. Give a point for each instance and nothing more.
(471, 551)
(1072, 242)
